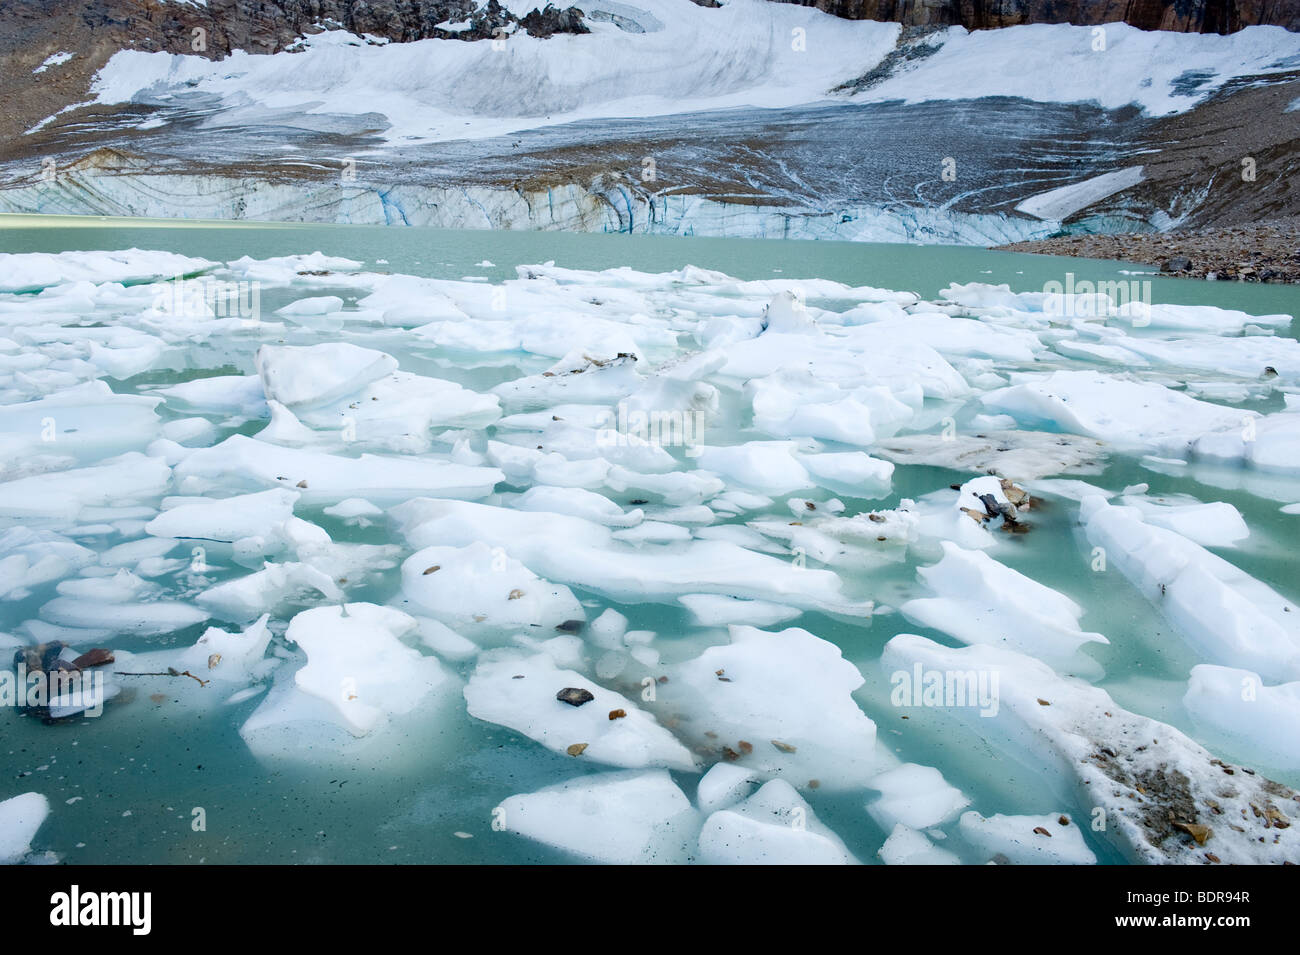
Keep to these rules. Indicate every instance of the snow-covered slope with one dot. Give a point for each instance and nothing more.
(1113, 65)
(747, 53)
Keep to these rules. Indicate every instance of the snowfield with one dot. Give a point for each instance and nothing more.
(667, 536)
(746, 53)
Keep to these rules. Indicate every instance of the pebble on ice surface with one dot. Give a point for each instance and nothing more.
(1026, 840)
(518, 690)
(789, 687)
(483, 588)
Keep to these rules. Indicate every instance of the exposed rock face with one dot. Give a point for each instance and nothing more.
(1183, 16)
(267, 26)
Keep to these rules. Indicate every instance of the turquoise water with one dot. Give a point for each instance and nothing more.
(443, 253)
(136, 775)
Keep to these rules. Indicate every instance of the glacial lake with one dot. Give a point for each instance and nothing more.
(123, 788)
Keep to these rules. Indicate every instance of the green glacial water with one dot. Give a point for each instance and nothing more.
(444, 253)
(124, 788)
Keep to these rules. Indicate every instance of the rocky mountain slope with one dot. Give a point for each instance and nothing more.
(736, 117)
(1184, 16)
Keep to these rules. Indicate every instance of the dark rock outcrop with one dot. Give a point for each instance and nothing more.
(1183, 16)
(267, 26)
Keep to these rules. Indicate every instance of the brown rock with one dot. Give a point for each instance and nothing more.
(574, 696)
(1201, 833)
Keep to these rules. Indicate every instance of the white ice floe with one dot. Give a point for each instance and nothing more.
(724, 785)
(980, 601)
(29, 558)
(20, 819)
(229, 394)
(359, 678)
(711, 610)
(592, 559)
(261, 515)
(1026, 840)
(228, 657)
(85, 420)
(329, 478)
(274, 587)
(1255, 721)
(357, 394)
(782, 704)
(288, 269)
(303, 377)
(1155, 786)
(1226, 615)
(577, 502)
(357, 663)
(1129, 414)
(775, 826)
(849, 357)
(1269, 443)
(444, 641)
(353, 508)
(1214, 524)
(123, 603)
(768, 467)
(519, 690)
(482, 588)
(1209, 319)
(28, 271)
(863, 540)
(796, 404)
(915, 796)
(64, 494)
(315, 305)
(851, 472)
(615, 818)
(908, 847)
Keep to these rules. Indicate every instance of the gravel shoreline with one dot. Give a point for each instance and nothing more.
(1264, 252)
